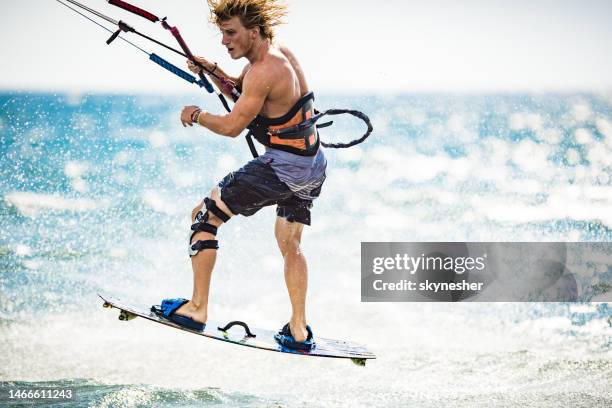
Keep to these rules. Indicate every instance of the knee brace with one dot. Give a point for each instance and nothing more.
(201, 224)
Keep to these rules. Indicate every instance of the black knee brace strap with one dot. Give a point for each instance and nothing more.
(202, 225)
(211, 206)
(207, 244)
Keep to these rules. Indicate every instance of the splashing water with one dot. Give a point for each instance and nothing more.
(96, 196)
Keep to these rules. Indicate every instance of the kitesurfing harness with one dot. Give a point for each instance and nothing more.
(295, 132)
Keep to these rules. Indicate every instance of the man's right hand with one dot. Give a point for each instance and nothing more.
(195, 69)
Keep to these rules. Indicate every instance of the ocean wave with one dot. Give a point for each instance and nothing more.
(31, 204)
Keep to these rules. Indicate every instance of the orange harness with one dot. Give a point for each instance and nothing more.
(297, 131)
(293, 132)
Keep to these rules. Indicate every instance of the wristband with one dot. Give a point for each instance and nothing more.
(200, 114)
(195, 114)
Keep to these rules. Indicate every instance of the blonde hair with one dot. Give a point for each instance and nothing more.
(265, 14)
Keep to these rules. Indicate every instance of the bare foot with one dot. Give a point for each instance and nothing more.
(298, 331)
(189, 309)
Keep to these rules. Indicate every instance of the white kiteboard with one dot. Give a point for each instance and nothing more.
(240, 333)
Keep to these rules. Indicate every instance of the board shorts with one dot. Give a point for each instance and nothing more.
(256, 185)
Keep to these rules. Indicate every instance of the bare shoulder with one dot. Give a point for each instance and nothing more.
(268, 70)
(287, 53)
(290, 56)
(258, 79)
(259, 72)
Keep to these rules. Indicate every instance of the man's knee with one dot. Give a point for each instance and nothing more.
(206, 218)
(212, 208)
(288, 236)
(217, 207)
(288, 241)
(196, 211)
(289, 246)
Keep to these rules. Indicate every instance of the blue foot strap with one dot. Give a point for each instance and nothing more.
(285, 338)
(167, 309)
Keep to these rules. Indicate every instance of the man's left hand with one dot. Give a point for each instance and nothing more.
(187, 115)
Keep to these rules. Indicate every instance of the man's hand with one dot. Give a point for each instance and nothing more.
(195, 69)
(187, 115)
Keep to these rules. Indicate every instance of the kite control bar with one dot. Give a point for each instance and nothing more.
(229, 87)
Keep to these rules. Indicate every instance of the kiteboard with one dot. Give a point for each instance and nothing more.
(240, 333)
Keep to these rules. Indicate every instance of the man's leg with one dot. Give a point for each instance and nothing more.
(289, 235)
(203, 263)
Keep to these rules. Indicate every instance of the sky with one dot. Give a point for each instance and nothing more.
(344, 46)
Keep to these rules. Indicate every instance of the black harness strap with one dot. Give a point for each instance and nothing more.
(300, 127)
(249, 139)
(357, 114)
(309, 122)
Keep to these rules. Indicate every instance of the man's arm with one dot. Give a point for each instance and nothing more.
(240, 79)
(237, 81)
(256, 88)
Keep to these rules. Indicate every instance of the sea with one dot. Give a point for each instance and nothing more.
(96, 192)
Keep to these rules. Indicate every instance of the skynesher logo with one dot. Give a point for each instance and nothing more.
(413, 264)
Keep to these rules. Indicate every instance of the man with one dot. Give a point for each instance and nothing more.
(289, 174)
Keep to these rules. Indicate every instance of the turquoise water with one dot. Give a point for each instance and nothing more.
(96, 193)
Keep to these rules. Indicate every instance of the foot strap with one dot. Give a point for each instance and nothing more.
(286, 339)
